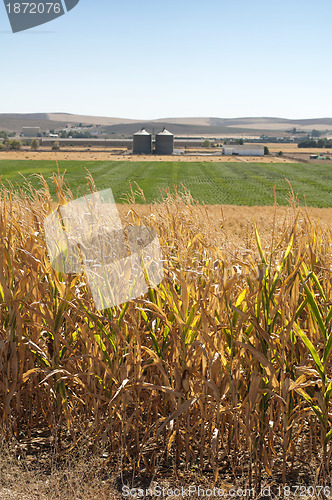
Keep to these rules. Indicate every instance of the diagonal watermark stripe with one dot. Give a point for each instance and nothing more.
(70, 4)
(24, 14)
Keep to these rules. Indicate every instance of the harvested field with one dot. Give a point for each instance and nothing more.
(102, 156)
(293, 148)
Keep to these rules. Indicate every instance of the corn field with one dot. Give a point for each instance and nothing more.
(227, 361)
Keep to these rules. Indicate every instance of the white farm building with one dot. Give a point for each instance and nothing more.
(243, 150)
(30, 131)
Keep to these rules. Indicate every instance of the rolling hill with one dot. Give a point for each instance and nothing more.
(194, 126)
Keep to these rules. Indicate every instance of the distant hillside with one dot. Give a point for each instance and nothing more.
(195, 126)
(254, 123)
(176, 128)
(14, 122)
(88, 120)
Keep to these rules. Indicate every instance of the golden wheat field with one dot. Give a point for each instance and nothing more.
(223, 370)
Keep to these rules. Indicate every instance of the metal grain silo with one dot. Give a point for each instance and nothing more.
(142, 142)
(164, 143)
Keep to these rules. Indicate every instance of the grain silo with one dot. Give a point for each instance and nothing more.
(142, 142)
(164, 143)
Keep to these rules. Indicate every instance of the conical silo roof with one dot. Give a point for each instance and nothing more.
(165, 132)
(142, 132)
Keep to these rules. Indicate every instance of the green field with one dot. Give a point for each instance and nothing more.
(210, 182)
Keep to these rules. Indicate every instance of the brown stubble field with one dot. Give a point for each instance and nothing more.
(97, 155)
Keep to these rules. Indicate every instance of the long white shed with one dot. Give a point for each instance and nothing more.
(243, 150)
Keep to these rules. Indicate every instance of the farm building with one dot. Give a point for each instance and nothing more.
(142, 142)
(164, 143)
(243, 150)
(30, 131)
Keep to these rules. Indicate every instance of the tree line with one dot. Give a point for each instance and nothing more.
(312, 143)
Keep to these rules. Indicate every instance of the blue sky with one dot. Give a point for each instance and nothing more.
(155, 59)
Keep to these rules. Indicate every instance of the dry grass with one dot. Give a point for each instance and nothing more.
(96, 155)
(224, 369)
(293, 148)
(77, 478)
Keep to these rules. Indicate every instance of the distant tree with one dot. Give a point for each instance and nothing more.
(316, 133)
(266, 150)
(73, 134)
(15, 144)
(280, 153)
(206, 143)
(56, 146)
(309, 143)
(239, 141)
(2, 147)
(34, 144)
